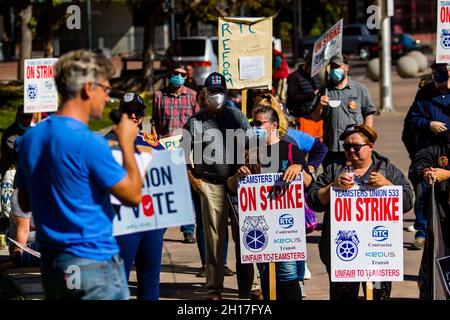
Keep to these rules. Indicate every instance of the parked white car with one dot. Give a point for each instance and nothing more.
(199, 52)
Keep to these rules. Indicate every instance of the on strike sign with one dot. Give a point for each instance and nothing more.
(40, 94)
(367, 234)
(271, 219)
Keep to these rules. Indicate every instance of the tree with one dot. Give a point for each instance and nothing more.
(26, 46)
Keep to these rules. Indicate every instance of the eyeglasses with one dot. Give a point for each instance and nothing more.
(355, 146)
(107, 89)
(177, 73)
(258, 123)
(137, 113)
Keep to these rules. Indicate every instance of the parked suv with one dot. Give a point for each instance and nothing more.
(356, 40)
(199, 52)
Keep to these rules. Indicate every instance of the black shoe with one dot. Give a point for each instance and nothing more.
(228, 272)
(188, 238)
(201, 273)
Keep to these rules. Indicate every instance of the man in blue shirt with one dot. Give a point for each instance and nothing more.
(65, 176)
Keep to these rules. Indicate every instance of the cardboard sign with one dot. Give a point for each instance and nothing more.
(271, 219)
(443, 32)
(326, 47)
(166, 195)
(245, 52)
(366, 234)
(40, 94)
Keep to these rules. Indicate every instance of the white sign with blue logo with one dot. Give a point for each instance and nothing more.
(271, 219)
(166, 194)
(366, 234)
(443, 32)
(40, 94)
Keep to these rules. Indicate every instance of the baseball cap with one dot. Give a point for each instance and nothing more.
(367, 131)
(131, 98)
(338, 60)
(216, 82)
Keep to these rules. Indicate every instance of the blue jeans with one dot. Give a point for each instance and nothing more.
(420, 224)
(189, 228)
(145, 250)
(301, 270)
(66, 276)
(286, 270)
(200, 231)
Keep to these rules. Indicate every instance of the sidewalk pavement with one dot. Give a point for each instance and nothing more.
(181, 261)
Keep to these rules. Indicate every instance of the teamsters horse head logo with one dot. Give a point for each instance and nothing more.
(255, 235)
(347, 245)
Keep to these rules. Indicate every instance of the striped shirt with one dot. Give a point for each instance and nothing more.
(171, 112)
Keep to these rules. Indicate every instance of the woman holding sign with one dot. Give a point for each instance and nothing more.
(370, 169)
(284, 157)
(142, 248)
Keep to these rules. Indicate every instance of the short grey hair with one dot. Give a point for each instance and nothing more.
(75, 68)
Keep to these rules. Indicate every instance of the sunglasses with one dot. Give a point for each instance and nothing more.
(355, 146)
(137, 113)
(258, 123)
(107, 89)
(177, 73)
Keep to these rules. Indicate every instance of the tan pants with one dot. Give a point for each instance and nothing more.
(215, 211)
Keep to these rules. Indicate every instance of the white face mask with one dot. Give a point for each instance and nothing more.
(216, 100)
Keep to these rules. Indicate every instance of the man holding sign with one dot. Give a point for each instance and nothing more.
(347, 102)
(370, 170)
(65, 176)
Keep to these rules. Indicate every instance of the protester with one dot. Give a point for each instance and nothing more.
(208, 176)
(280, 74)
(66, 180)
(431, 165)
(8, 162)
(427, 117)
(142, 248)
(302, 96)
(172, 107)
(22, 229)
(190, 80)
(347, 102)
(359, 141)
(284, 157)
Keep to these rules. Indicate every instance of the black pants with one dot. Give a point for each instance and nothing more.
(244, 271)
(286, 290)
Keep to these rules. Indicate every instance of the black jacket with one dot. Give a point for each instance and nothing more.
(300, 95)
(388, 170)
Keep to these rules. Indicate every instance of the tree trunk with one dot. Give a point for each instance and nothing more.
(48, 36)
(27, 37)
(149, 53)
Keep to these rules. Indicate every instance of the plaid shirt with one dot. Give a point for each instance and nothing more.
(171, 112)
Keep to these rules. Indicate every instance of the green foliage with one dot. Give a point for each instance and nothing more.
(11, 97)
(285, 31)
(332, 13)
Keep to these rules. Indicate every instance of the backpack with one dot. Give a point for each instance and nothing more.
(310, 216)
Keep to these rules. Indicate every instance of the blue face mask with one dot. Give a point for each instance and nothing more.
(177, 81)
(337, 75)
(440, 76)
(259, 132)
